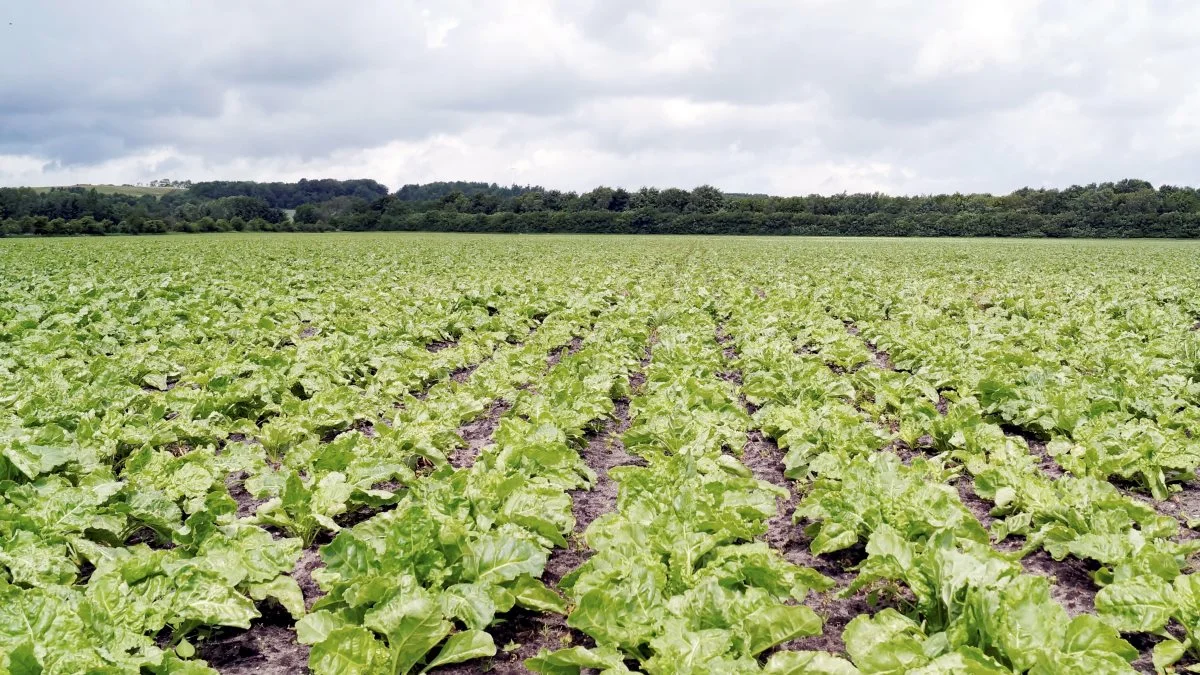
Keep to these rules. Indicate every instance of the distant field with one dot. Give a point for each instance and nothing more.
(399, 453)
(135, 190)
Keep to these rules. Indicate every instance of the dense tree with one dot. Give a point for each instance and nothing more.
(1128, 208)
(433, 191)
(288, 195)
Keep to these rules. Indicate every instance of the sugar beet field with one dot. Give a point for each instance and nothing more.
(459, 454)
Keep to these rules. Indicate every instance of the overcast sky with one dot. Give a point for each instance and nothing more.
(787, 97)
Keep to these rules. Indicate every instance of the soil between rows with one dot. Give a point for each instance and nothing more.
(478, 434)
(271, 648)
(268, 647)
(603, 451)
(1071, 582)
(763, 456)
(520, 635)
(557, 355)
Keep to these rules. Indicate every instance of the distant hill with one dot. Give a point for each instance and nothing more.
(131, 190)
(416, 192)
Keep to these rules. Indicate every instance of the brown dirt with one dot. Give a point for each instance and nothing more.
(438, 345)
(943, 405)
(364, 427)
(308, 332)
(636, 381)
(836, 612)
(309, 560)
(461, 374)
(729, 351)
(763, 456)
(521, 635)
(602, 452)
(477, 433)
(1145, 660)
(1145, 642)
(1037, 447)
(722, 336)
(265, 649)
(238, 438)
(904, 451)
(1182, 506)
(732, 376)
(882, 358)
(171, 384)
(765, 460)
(573, 346)
(1072, 585)
(247, 504)
(978, 506)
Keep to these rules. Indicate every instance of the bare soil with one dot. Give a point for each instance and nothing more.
(882, 358)
(364, 427)
(477, 433)
(763, 456)
(904, 451)
(943, 405)
(521, 635)
(732, 376)
(602, 452)
(247, 504)
(981, 508)
(1182, 506)
(722, 337)
(1145, 642)
(837, 612)
(1071, 579)
(308, 332)
(268, 647)
(637, 380)
(525, 633)
(1037, 447)
(309, 561)
(462, 374)
(438, 345)
(765, 460)
(573, 346)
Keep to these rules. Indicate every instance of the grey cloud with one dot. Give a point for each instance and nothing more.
(936, 96)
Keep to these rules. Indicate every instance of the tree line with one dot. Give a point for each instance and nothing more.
(1128, 208)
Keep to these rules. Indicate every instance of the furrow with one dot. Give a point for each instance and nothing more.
(477, 434)
(268, 647)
